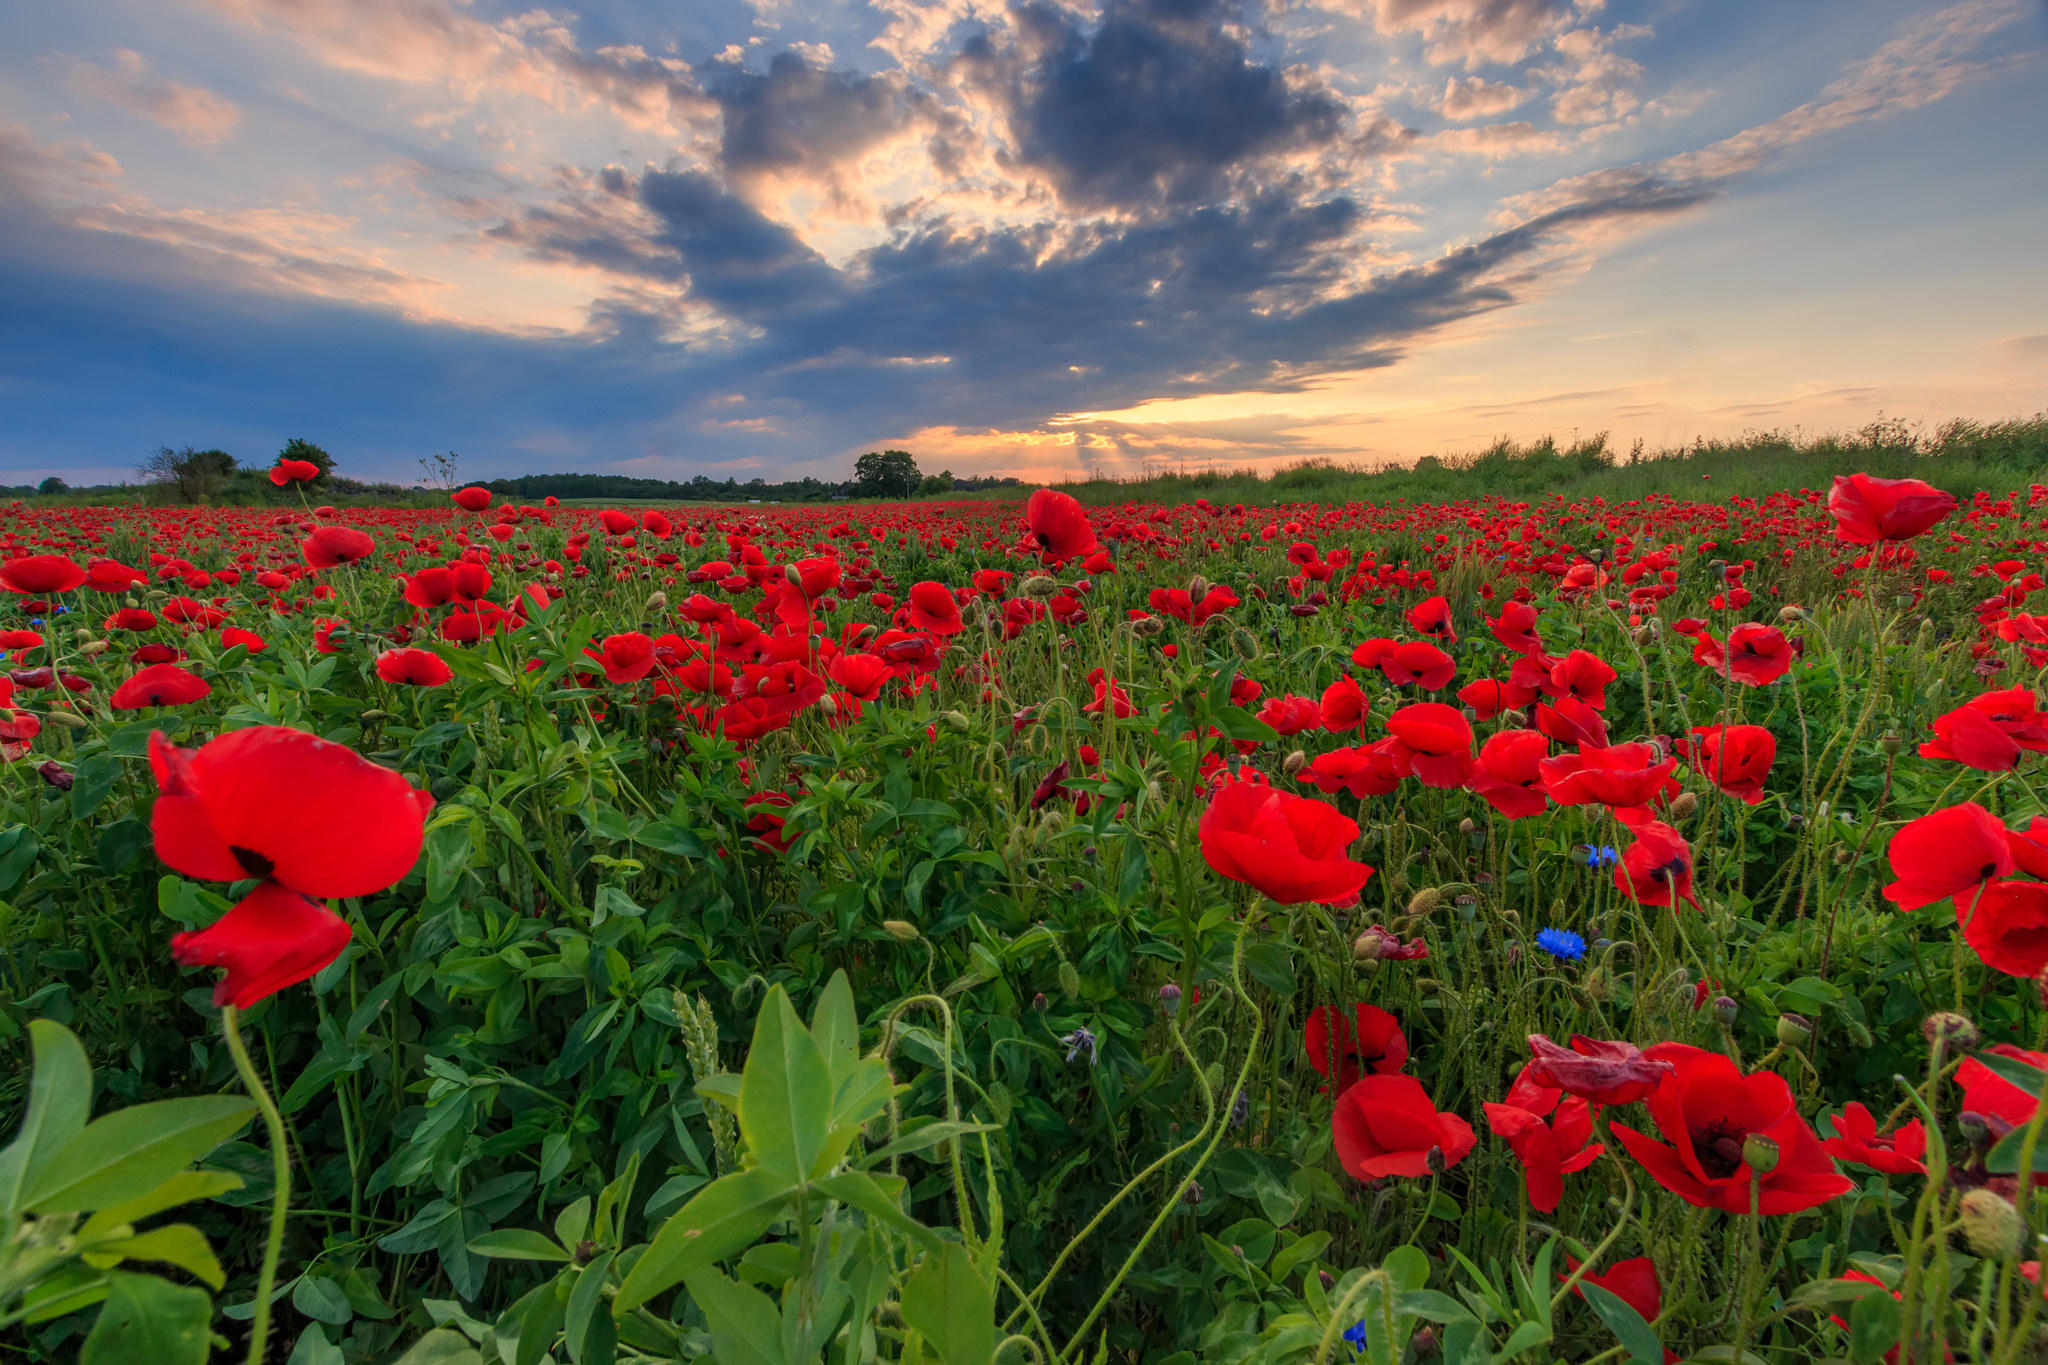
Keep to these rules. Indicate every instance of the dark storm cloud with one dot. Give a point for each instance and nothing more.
(806, 120)
(1162, 100)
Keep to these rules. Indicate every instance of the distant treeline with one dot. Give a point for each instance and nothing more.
(702, 488)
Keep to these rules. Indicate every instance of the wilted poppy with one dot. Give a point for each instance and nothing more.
(1601, 1070)
(1289, 847)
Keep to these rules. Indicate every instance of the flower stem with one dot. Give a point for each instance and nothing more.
(281, 1171)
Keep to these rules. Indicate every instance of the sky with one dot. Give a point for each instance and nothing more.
(753, 238)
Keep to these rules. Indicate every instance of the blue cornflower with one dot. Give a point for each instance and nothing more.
(1599, 855)
(1079, 1041)
(1562, 944)
(1355, 1334)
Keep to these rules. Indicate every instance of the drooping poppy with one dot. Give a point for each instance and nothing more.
(1289, 847)
(1385, 1125)
(159, 685)
(1605, 1071)
(1948, 852)
(273, 802)
(1706, 1111)
(272, 938)
(1550, 1134)
(1868, 509)
(1346, 1044)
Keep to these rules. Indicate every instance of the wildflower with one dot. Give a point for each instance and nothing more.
(1599, 856)
(1079, 1041)
(1562, 944)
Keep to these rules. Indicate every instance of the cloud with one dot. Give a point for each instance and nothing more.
(196, 115)
(1472, 32)
(804, 123)
(1476, 97)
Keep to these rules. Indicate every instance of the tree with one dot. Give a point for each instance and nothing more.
(297, 449)
(190, 474)
(53, 484)
(886, 474)
(941, 482)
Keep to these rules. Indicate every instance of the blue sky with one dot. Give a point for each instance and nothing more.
(759, 236)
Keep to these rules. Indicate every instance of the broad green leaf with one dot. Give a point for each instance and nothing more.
(746, 1329)
(726, 1216)
(1637, 1337)
(1300, 1251)
(182, 1188)
(585, 1298)
(928, 1136)
(130, 1152)
(1407, 1267)
(785, 1093)
(2028, 1078)
(835, 1026)
(178, 1244)
(518, 1244)
(951, 1306)
(59, 1101)
(878, 1197)
(148, 1319)
(322, 1300)
(1874, 1326)
(442, 1346)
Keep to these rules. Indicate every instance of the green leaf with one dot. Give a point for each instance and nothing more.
(878, 1197)
(517, 1244)
(727, 1215)
(178, 1244)
(585, 1298)
(322, 1300)
(59, 1101)
(148, 1319)
(835, 1026)
(182, 1188)
(130, 1152)
(1407, 1267)
(951, 1306)
(745, 1328)
(2028, 1078)
(442, 1346)
(925, 1137)
(785, 1093)
(1874, 1326)
(1637, 1337)
(1303, 1250)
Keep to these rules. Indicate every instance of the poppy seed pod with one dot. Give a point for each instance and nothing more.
(1760, 1153)
(1726, 1010)
(1683, 805)
(1294, 763)
(92, 649)
(1070, 981)
(1949, 1031)
(1794, 1030)
(1891, 742)
(1991, 1225)
(1039, 587)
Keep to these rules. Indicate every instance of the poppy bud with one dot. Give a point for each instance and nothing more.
(1244, 644)
(793, 575)
(92, 649)
(1369, 946)
(1425, 900)
(1198, 587)
(1726, 1010)
(1327, 1280)
(1949, 1031)
(955, 720)
(1760, 1154)
(1294, 763)
(1193, 1193)
(1891, 742)
(1683, 805)
(56, 775)
(1070, 981)
(1435, 1161)
(1468, 825)
(1040, 1003)
(657, 601)
(1788, 612)
(1991, 1225)
(373, 714)
(1039, 587)
(1858, 1035)
(1169, 998)
(901, 930)
(1145, 627)
(1424, 1341)
(70, 720)
(1794, 1030)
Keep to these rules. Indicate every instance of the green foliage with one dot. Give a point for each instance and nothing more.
(886, 474)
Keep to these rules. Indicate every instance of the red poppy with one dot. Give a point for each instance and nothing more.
(1571, 721)
(34, 575)
(1992, 1095)
(1515, 627)
(20, 641)
(247, 639)
(293, 471)
(1551, 1136)
(1291, 715)
(1949, 852)
(1346, 1044)
(1707, 1110)
(1868, 509)
(413, 667)
(471, 499)
(1856, 1139)
(1421, 663)
(333, 545)
(1509, 775)
(931, 609)
(1657, 868)
(1583, 675)
(624, 658)
(1434, 743)
(1344, 705)
(2030, 847)
(765, 821)
(1617, 776)
(1601, 1070)
(271, 939)
(1633, 1281)
(862, 675)
(159, 685)
(279, 803)
(1363, 770)
(1971, 738)
(1289, 847)
(1385, 1125)
(1735, 758)
(1432, 617)
(1057, 527)
(1755, 654)
(2006, 923)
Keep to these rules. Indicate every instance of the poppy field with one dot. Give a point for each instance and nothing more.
(1535, 930)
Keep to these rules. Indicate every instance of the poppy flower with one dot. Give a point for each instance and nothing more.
(1362, 770)
(1344, 705)
(1551, 1135)
(1509, 776)
(1754, 655)
(1487, 698)
(2006, 924)
(1421, 663)
(931, 609)
(272, 938)
(413, 667)
(624, 658)
(273, 802)
(1657, 868)
(1583, 675)
(1868, 509)
(1617, 776)
(862, 675)
(1969, 737)
(1735, 758)
(1110, 697)
(1432, 617)
(330, 546)
(1570, 721)
(1057, 526)
(1987, 1093)
(1289, 847)
(1291, 715)
(159, 685)
(1601, 1070)
(1953, 851)
(247, 639)
(293, 471)
(1856, 1139)
(765, 821)
(2030, 847)
(35, 575)
(1633, 1281)
(1706, 1111)
(1515, 627)
(1385, 1125)
(1434, 743)
(1346, 1044)
(472, 499)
